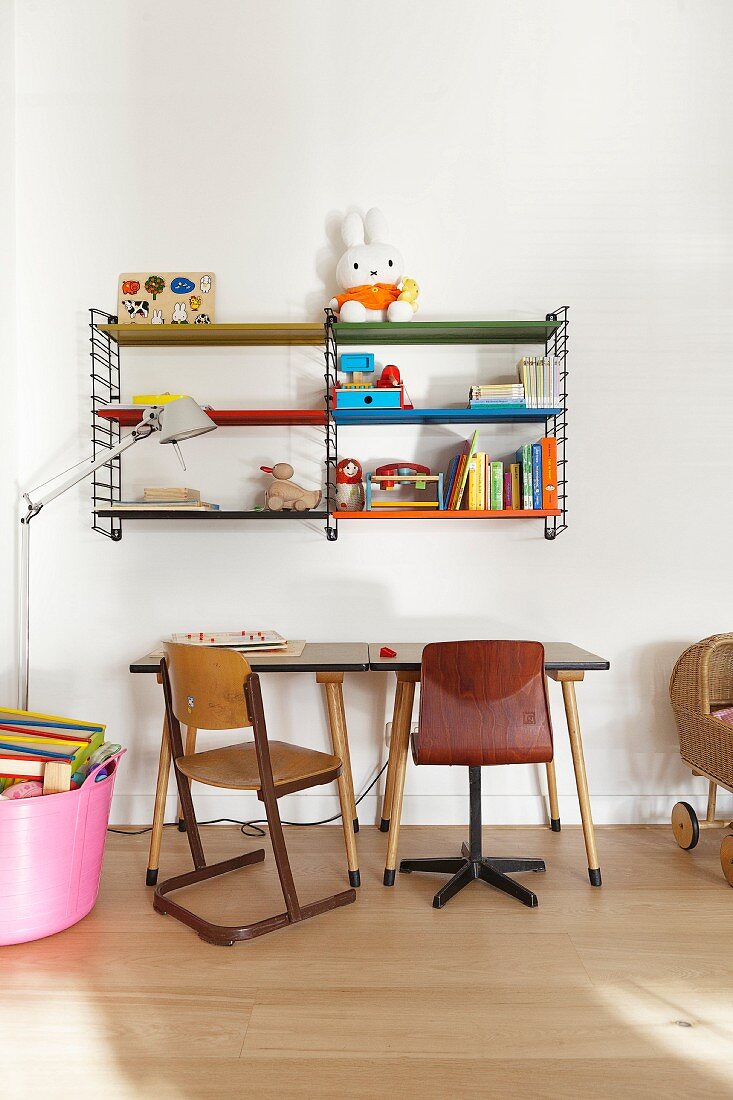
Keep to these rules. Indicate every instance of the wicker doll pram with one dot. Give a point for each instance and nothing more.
(700, 687)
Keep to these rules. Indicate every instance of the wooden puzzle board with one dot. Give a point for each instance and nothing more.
(166, 297)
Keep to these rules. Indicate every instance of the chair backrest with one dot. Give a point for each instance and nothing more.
(207, 686)
(483, 703)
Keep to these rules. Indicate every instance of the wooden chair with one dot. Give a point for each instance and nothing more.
(214, 689)
(481, 703)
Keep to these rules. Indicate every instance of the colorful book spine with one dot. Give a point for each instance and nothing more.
(482, 458)
(508, 489)
(536, 476)
(549, 472)
(473, 484)
(458, 484)
(462, 478)
(497, 486)
(524, 459)
(450, 478)
(516, 492)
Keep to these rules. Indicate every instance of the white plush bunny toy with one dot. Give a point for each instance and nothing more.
(370, 273)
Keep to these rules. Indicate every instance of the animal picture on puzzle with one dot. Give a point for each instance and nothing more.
(166, 298)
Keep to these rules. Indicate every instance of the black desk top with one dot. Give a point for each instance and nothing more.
(316, 657)
(558, 655)
(359, 657)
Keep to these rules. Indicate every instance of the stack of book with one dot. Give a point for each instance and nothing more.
(540, 378)
(167, 498)
(499, 396)
(29, 741)
(475, 482)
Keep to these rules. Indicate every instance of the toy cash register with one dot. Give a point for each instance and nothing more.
(360, 391)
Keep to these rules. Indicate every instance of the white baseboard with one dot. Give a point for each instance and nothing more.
(425, 809)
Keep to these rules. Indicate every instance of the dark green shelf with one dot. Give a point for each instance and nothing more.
(445, 332)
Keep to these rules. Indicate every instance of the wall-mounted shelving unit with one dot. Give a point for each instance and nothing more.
(107, 337)
(550, 333)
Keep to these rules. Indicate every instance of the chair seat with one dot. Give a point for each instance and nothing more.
(235, 767)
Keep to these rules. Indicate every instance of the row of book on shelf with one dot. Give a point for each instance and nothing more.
(538, 387)
(476, 482)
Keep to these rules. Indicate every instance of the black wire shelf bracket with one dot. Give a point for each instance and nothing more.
(557, 344)
(105, 375)
(330, 378)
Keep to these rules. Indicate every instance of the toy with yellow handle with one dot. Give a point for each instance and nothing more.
(409, 293)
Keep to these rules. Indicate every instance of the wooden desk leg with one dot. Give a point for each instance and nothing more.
(401, 722)
(191, 732)
(389, 781)
(552, 797)
(333, 687)
(568, 680)
(347, 756)
(161, 793)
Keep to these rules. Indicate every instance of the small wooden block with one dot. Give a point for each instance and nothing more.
(56, 777)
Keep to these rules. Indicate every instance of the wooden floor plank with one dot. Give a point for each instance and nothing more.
(358, 1023)
(389, 1078)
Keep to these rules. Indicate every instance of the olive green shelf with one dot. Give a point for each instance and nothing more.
(445, 332)
(262, 334)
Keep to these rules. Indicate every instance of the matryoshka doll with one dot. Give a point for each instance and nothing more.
(349, 486)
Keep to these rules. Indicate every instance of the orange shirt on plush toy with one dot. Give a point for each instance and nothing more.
(378, 296)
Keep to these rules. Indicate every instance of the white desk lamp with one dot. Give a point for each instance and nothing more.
(179, 419)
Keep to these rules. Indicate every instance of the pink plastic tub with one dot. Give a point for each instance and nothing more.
(51, 851)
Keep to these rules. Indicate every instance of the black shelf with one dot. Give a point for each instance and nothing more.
(203, 514)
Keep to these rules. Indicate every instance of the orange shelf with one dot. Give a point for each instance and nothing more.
(410, 513)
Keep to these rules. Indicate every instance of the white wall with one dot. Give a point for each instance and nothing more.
(527, 155)
(8, 409)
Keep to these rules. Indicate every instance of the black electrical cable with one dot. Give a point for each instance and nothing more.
(253, 825)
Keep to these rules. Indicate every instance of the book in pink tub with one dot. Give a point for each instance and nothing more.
(51, 852)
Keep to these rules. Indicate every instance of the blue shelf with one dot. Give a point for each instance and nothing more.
(443, 416)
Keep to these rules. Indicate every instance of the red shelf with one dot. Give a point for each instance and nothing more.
(407, 513)
(232, 418)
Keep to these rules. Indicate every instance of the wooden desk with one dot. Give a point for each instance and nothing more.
(329, 661)
(564, 662)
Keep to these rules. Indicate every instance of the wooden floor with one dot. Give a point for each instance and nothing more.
(625, 991)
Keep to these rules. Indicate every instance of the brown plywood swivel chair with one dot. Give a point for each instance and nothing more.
(215, 689)
(481, 703)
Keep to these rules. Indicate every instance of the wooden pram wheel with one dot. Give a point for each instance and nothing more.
(685, 825)
(726, 858)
